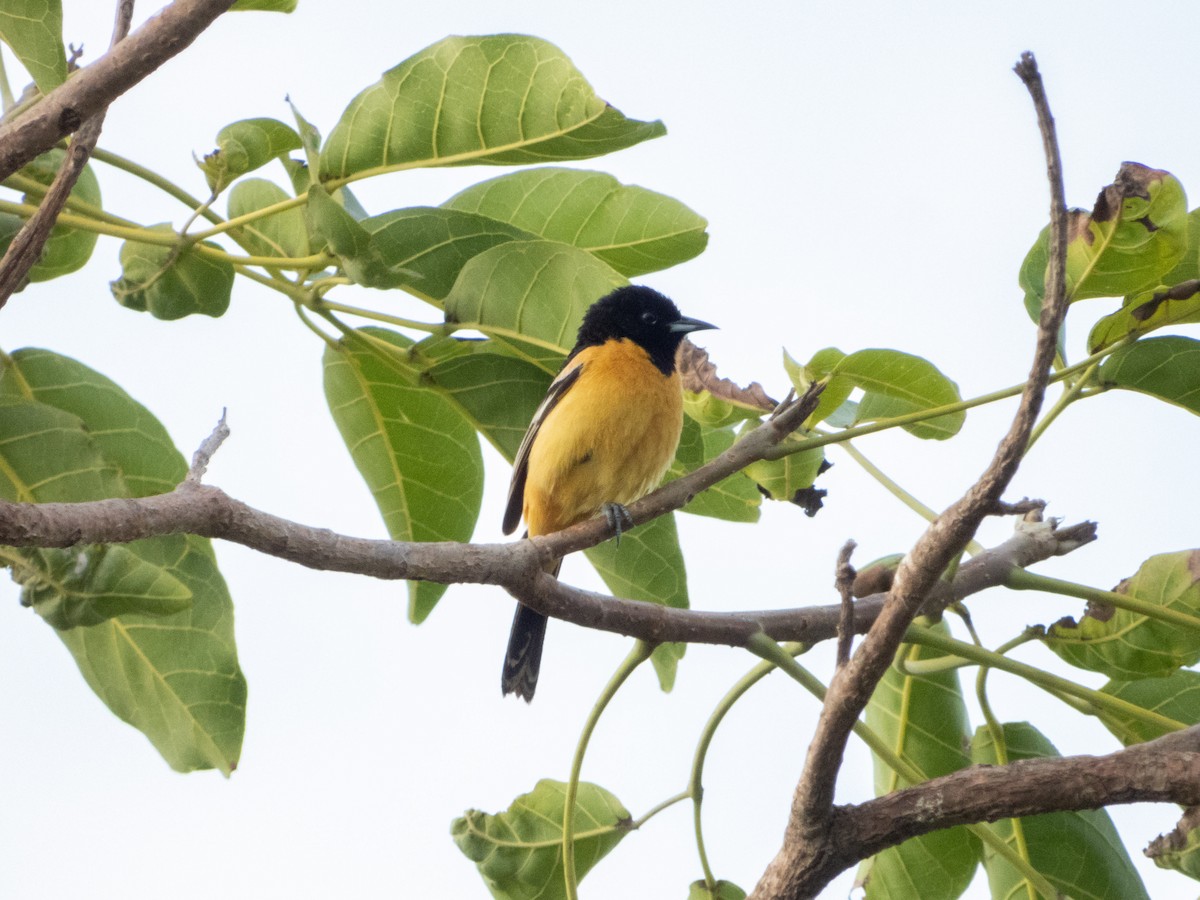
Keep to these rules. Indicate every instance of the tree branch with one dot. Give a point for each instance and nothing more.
(199, 509)
(94, 87)
(807, 837)
(1166, 770)
(26, 248)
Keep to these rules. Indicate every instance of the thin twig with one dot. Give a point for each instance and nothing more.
(844, 581)
(204, 453)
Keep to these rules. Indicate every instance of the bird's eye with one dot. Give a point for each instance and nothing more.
(649, 318)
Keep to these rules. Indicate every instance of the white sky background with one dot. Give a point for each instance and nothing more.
(873, 177)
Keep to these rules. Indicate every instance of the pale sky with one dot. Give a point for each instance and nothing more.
(873, 177)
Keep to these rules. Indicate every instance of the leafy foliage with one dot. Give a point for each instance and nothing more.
(482, 295)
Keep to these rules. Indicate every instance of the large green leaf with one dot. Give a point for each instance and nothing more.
(33, 29)
(632, 229)
(67, 249)
(1151, 310)
(1135, 234)
(174, 678)
(170, 282)
(503, 99)
(282, 234)
(127, 435)
(1177, 696)
(924, 720)
(519, 852)
(647, 565)
(430, 246)
(1127, 645)
(68, 433)
(417, 453)
(536, 290)
(245, 146)
(895, 384)
(498, 392)
(1165, 367)
(1079, 852)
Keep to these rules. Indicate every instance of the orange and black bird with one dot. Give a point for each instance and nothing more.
(603, 437)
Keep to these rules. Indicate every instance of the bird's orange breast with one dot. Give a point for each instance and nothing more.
(609, 439)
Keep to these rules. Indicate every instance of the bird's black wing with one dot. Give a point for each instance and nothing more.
(516, 488)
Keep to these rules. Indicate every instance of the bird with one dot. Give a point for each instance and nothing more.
(604, 435)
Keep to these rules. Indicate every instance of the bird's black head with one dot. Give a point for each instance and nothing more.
(642, 315)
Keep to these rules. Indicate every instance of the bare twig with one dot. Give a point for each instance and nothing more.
(26, 248)
(806, 841)
(844, 581)
(94, 87)
(204, 453)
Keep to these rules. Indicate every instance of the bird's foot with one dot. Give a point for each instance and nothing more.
(618, 519)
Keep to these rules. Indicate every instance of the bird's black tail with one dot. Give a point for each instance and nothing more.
(524, 656)
(523, 659)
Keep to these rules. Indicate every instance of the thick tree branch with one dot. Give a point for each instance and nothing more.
(808, 834)
(1166, 770)
(94, 87)
(26, 248)
(194, 508)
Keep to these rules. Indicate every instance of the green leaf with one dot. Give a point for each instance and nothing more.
(1141, 313)
(169, 282)
(88, 585)
(1179, 849)
(46, 456)
(1127, 645)
(33, 29)
(837, 390)
(716, 412)
(789, 476)
(496, 391)
(502, 100)
(126, 434)
(244, 146)
(519, 852)
(1176, 696)
(632, 229)
(283, 6)
(1079, 852)
(282, 234)
(174, 677)
(1165, 367)
(648, 565)
(417, 453)
(67, 249)
(725, 890)
(361, 257)
(1135, 234)
(536, 290)
(895, 384)
(310, 140)
(430, 246)
(734, 499)
(924, 719)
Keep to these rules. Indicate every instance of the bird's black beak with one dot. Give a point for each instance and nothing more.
(686, 326)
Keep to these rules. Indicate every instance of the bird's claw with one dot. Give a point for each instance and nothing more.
(618, 519)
